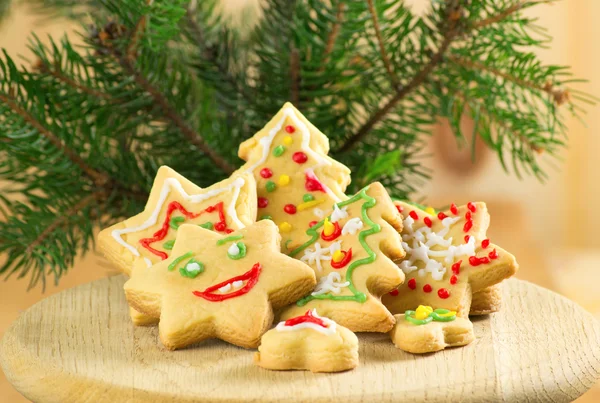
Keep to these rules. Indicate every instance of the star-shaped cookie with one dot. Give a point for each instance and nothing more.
(147, 238)
(352, 252)
(216, 286)
(448, 258)
(296, 181)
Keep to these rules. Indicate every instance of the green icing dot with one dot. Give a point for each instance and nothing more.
(178, 260)
(169, 244)
(278, 151)
(191, 269)
(241, 249)
(207, 225)
(308, 197)
(266, 217)
(270, 186)
(176, 222)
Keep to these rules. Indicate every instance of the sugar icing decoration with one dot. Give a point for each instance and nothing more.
(191, 269)
(169, 184)
(310, 320)
(309, 254)
(237, 251)
(330, 283)
(352, 226)
(425, 314)
(240, 285)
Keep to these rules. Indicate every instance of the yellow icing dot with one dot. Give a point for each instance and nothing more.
(338, 255)
(288, 140)
(430, 210)
(307, 205)
(423, 312)
(328, 228)
(285, 227)
(284, 180)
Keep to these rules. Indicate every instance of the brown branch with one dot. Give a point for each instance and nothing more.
(44, 68)
(170, 113)
(131, 52)
(415, 82)
(382, 51)
(560, 96)
(295, 76)
(98, 177)
(506, 13)
(61, 219)
(333, 34)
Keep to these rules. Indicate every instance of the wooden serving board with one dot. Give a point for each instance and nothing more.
(79, 346)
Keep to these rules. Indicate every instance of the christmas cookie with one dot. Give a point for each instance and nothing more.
(219, 286)
(486, 301)
(308, 342)
(147, 238)
(296, 181)
(352, 252)
(448, 258)
(427, 330)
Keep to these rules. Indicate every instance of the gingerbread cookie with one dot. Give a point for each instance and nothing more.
(215, 286)
(426, 330)
(448, 258)
(296, 181)
(147, 238)
(352, 252)
(308, 342)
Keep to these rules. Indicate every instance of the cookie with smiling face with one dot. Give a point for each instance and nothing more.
(215, 286)
(308, 342)
(352, 252)
(297, 183)
(147, 238)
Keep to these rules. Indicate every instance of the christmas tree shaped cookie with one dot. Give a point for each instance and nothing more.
(296, 181)
(215, 286)
(448, 258)
(147, 238)
(352, 251)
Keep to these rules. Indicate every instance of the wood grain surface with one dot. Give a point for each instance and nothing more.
(79, 346)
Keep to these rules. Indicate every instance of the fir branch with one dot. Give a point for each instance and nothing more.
(99, 178)
(453, 10)
(61, 219)
(333, 34)
(384, 56)
(42, 67)
(494, 19)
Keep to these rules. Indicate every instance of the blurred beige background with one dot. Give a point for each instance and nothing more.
(551, 228)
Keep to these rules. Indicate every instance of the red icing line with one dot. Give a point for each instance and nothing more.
(412, 284)
(453, 279)
(454, 209)
(263, 202)
(443, 293)
(441, 216)
(312, 224)
(456, 267)
(251, 276)
(400, 208)
(476, 261)
(337, 231)
(414, 215)
(493, 254)
(307, 317)
(290, 209)
(299, 157)
(266, 173)
(290, 129)
(345, 260)
(471, 207)
(427, 221)
(164, 230)
(312, 184)
(485, 243)
(394, 293)
(427, 288)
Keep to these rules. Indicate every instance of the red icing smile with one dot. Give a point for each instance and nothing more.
(250, 277)
(307, 317)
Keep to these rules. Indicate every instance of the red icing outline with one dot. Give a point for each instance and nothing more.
(307, 317)
(336, 233)
(251, 276)
(164, 230)
(345, 260)
(312, 184)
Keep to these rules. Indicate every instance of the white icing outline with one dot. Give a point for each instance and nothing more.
(267, 141)
(164, 193)
(328, 331)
